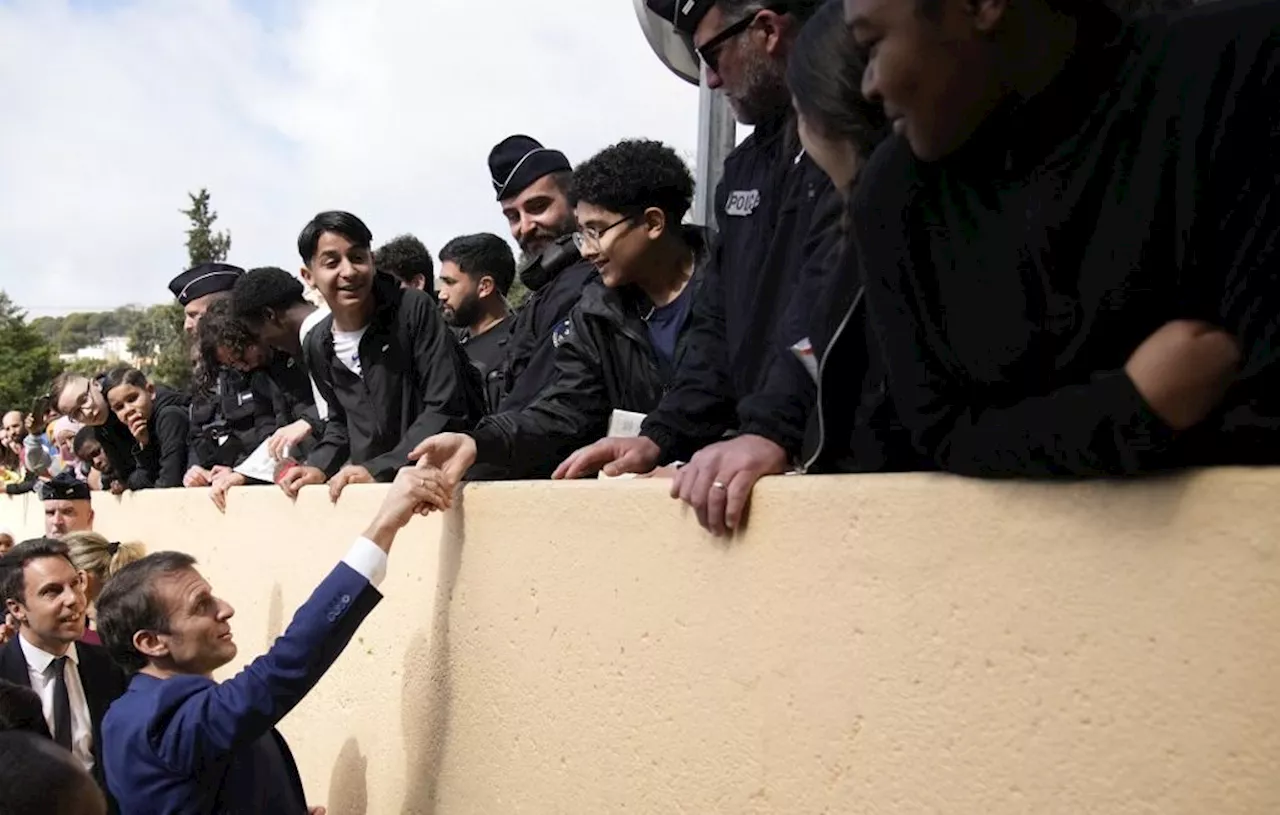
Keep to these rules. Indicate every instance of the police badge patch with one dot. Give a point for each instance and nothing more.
(561, 333)
(742, 202)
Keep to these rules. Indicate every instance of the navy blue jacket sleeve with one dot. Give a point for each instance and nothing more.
(197, 722)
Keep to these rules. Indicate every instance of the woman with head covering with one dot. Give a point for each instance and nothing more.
(99, 559)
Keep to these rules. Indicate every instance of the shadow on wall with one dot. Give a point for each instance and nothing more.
(427, 695)
(275, 616)
(349, 785)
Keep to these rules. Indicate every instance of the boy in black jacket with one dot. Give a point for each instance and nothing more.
(384, 361)
(620, 347)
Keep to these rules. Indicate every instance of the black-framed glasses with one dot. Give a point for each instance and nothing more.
(587, 235)
(709, 51)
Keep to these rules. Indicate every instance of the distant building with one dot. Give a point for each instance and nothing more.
(109, 349)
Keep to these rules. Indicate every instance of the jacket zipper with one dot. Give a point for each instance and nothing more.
(822, 370)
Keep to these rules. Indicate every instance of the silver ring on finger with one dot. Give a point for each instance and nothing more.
(718, 485)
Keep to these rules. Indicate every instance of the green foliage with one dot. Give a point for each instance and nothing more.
(27, 362)
(160, 345)
(203, 244)
(517, 294)
(70, 333)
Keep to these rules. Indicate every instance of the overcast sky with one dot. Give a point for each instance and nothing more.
(114, 109)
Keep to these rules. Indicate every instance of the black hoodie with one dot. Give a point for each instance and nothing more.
(1009, 283)
(163, 462)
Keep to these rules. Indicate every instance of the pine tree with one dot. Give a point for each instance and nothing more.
(29, 361)
(203, 244)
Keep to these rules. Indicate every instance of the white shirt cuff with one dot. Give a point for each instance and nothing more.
(368, 559)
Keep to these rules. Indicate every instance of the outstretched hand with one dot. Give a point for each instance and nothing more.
(415, 490)
(613, 456)
(452, 453)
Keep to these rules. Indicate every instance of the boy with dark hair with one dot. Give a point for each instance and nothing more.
(476, 272)
(383, 360)
(406, 259)
(619, 348)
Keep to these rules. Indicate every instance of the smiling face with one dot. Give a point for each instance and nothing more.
(341, 271)
(934, 69)
(82, 399)
(199, 639)
(538, 215)
(53, 603)
(616, 245)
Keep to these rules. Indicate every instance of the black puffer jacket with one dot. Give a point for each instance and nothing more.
(604, 362)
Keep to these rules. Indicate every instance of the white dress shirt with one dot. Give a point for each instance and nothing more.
(40, 669)
(367, 559)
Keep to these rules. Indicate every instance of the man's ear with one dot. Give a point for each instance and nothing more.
(655, 221)
(305, 274)
(776, 29)
(12, 606)
(150, 644)
(485, 286)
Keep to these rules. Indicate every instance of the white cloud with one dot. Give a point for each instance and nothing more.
(388, 108)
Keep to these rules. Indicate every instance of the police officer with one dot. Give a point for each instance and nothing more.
(228, 418)
(532, 185)
(777, 213)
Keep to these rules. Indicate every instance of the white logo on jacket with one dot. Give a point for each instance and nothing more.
(742, 202)
(561, 333)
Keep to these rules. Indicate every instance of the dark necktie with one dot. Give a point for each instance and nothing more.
(61, 704)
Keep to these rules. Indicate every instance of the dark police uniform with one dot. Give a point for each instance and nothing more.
(554, 285)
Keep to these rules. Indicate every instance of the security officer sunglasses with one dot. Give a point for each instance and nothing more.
(710, 50)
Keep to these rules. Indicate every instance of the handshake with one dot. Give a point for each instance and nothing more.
(429, 484)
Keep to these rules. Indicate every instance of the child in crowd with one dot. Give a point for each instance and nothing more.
(93, 466)
(82, 398)
(158, 423)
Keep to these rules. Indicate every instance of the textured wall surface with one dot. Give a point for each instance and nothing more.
(883, 644)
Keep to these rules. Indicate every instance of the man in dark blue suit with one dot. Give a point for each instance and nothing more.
(179, 742)
(75, 681)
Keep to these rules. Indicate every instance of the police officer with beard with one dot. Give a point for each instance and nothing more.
(532, 182)
(777, 214)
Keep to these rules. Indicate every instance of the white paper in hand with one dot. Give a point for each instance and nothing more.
(260, 465)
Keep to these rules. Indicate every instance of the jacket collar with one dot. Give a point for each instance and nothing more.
(619, 306)
(40, 660)
(1022, 132)
(387, 296)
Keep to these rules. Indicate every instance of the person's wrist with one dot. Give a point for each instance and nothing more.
(382, 531)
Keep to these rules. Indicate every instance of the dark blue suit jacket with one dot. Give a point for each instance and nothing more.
(190, 745)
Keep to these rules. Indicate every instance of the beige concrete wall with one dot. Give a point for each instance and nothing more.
(885, 644)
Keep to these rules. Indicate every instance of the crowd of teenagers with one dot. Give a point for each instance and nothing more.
(1048, 251)
(1000, 239)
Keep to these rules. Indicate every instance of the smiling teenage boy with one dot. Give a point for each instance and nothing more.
(383, 359)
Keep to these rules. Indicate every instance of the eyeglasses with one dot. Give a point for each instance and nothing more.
(588, 235)
(709, 51)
